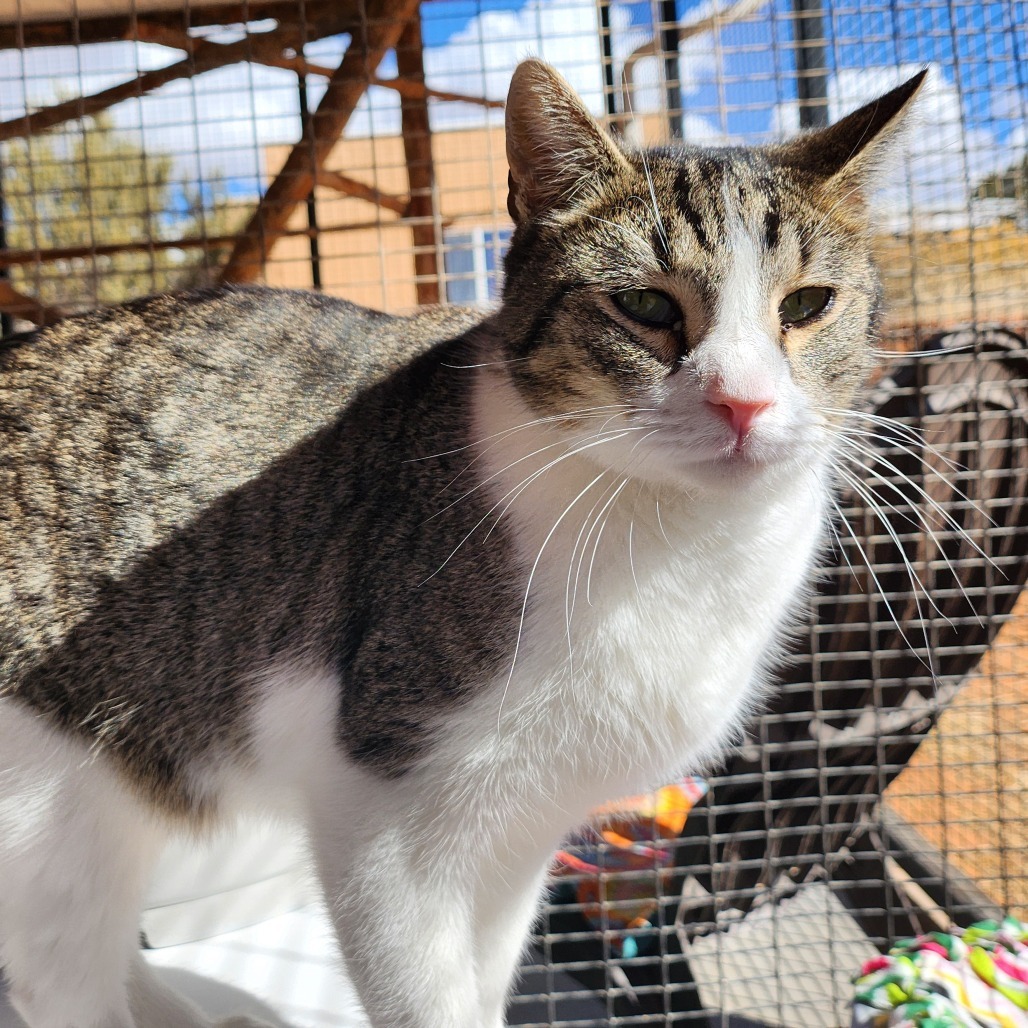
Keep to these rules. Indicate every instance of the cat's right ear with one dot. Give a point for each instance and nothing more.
(846, 157)
(555, 148)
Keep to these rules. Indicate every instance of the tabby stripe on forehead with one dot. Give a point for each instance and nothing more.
(683, 187)
(772, 224)
(659, 244)
(806, 249)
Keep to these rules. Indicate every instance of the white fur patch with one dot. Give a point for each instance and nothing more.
(648, 619)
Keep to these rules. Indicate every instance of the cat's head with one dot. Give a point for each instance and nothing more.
(726, 297)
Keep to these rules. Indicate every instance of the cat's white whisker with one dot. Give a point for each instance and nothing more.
(517, 490)
(626, 229)
(627, 410)
(916, 518)
(920, 525)
(881, 592)
(484, 364)
(933, 505)
(631, 532)
(535, 475)
(882, 354)
(894, 429)
(918, 587)
(528, 590)
(832, 464)
(589, 525)
(658, 219)
(631, 557)
(605, 515)
(482, 483)
(593, 525)
(839, 547)
(853, 451)
(569, 596)
(894, 442)
(660, 522)
(584, 412)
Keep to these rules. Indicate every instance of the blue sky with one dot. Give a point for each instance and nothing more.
(738, 84)
(979, 48)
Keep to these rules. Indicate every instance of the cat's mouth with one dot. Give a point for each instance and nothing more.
(756, 452)
(753, 456)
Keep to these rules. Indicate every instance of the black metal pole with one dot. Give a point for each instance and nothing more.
(6, 321)
(669, 48)
(811, 63)
(606, 44)
(312, 207)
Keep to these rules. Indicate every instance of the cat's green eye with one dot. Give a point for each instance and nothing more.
(805, 304)
(649, 307)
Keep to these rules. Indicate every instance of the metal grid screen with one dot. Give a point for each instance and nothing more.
(357, 148)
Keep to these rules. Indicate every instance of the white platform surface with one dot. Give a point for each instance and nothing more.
(288, 963)
(235, 925)
(283, 970)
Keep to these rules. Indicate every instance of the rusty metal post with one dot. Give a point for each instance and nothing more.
(417, 148)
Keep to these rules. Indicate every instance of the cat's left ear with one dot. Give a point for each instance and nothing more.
(555, 148)
(847, 155)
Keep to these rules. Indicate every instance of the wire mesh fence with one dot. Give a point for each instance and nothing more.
(357, 148)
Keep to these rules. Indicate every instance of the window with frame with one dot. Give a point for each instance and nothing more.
(473, 262)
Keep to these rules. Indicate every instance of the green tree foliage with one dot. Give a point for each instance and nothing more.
(92, 186)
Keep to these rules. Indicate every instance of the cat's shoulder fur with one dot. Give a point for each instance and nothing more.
(175, 467)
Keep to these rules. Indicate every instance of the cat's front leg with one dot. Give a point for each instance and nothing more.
(506, 905)
(403, 915)
(75, 852)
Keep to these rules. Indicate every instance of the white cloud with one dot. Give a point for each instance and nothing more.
(940, 158)
(785, 120)
(1008, 102)
(38, 76)
(215, 123)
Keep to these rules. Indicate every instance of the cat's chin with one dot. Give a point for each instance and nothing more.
(740, 470)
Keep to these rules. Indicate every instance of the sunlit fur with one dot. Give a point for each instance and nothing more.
(433, 587)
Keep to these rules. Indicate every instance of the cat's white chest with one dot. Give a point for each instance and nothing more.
(648, 654)
(649, 619)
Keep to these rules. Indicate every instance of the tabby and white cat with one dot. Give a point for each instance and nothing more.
(436, 585)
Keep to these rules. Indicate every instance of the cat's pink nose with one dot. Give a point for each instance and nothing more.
(739, 412)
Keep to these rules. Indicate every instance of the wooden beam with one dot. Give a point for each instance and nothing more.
(154, 32)
(27, 307)
(378, 33)
(11, 258)
(419, 91)
(322, 18)
(417, 149)
(352, 187)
